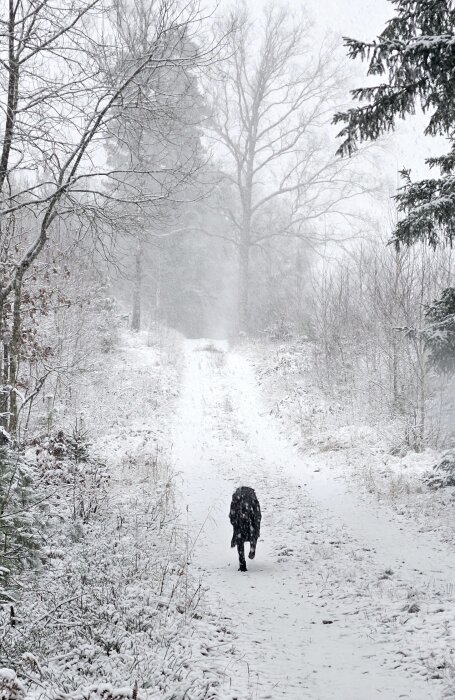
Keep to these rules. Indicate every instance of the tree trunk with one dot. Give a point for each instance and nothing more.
(14, 356)
(158, 291)
(3, 395)
(243, 298)
(136, 316)
(395, 397)
(244, 250)
(4, 391)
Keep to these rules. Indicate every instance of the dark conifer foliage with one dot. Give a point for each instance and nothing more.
(440, 334)
(22, 529)
(414, 58)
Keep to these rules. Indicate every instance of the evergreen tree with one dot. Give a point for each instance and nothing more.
(21, 529)
(416, 53)
(78, 445)
(440, 334)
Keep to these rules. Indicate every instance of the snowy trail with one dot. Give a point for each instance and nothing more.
(402, 547)
(311, 614)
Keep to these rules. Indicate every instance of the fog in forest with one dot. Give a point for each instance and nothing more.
(227, 293)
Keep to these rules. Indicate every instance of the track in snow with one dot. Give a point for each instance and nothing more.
(311, 613)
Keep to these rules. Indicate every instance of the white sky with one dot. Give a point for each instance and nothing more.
(360, 19)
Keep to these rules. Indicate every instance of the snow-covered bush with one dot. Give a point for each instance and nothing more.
(21, 504)
(115, 602)
(10, 686)
(119, 604)
(69, 460)
(280, 329)
(443, 473)
(107, 323)
(440, 334)
(366, 308)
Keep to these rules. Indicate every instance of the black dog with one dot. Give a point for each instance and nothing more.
(245, 517)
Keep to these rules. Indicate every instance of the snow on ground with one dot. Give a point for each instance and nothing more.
(115, 603)
(371, 458)
(341, 601)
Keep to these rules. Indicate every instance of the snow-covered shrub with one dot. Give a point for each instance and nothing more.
(78, 445)
(102, 691)
(280, 329)
(108, 323)
(68, 460)
(10, 686)
(114, 608)
(443, 473)
(440, 334)
(21, 528)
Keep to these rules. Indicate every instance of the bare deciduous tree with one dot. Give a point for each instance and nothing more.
(272, 98)
(65, 75)
(360, 303)
(164, 152)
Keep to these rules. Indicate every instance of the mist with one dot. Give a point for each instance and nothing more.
(227, 350)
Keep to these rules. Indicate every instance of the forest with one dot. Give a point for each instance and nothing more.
(226, 259)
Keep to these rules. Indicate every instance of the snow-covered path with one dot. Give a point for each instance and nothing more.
(320, 613)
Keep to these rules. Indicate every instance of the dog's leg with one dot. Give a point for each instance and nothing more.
(252, 553)
(241, 551)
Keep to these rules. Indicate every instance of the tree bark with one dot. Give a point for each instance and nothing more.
(13, 93)
(4, 392)
(14, 356)
(243, 298)
(137, 291)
